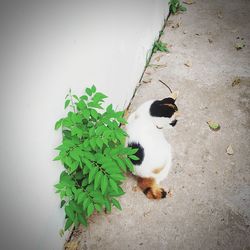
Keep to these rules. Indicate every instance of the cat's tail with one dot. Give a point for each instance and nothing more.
(151, 189)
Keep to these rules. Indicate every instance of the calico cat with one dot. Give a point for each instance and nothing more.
(154, 152)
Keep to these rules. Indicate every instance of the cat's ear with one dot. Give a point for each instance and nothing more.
(174, 95)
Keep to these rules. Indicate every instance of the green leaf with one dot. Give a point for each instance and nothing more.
(99, 97)
(118, 193)
(97, 197)
(68, 223)
(75, 206)
(59, 186)
(82, 220)
(67, 122)
(92, 173)
(62, 203)
(99, 142)
(105, 141)
(87, 162)
(93, 89)
(104, 184)
(97, 180)
(94, 113)
(75, 155)
(133, 157)
(74, 166)
(92, 143)
(69, 211)
(107, 205)
(76, 191)
(88, 91)
(78, 176)
(66, 104)
(86, 202)
(68, 192)
(113, 184)
(174, 9)
(109, 108)
(90, 209)
(92, 132)
(84, 97)
(129, 165)
(98, 207)
(81, 105)
(121, 164)
(86, 113)
(76, 97)
(121, 120)
(117, 177)
(116, 203)
(100, 130)
(98, 200)
(131, 151)
(62, 194)
(182, 8)
(66, 179)
(213, 125)
(58, 124)
(85, 170)
(94, 105)
(81, 197)
(57, 158)
(76, 131)
(84, 182)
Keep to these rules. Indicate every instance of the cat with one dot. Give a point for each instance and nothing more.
(145, 133)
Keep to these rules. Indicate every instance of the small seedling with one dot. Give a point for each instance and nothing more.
(175, 6)
(160, 46)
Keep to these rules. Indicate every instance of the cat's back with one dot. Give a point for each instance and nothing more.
(143, 132)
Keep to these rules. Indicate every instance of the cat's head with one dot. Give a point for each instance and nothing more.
(165, 112)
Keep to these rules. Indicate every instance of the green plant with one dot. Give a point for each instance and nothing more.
(159, 46)
(94, 157)
(175, 6)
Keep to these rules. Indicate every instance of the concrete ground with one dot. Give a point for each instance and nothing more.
(209, 206)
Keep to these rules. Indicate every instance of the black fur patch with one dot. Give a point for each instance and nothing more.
(163, 193)
(139, 153)
(163, 108)
(168, 100)
(145, 191)
(173, 123)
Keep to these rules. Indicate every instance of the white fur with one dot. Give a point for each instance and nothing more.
(142, 129)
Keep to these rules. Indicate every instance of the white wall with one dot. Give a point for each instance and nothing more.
(46, 48)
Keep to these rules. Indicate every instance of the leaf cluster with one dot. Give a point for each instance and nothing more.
(175, 6)
(94, 157)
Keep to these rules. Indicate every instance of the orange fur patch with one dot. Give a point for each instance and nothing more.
(171, 106)
(150, 188)
(144, 183)
(157, 170)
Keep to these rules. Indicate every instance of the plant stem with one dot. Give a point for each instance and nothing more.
(72, 103)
